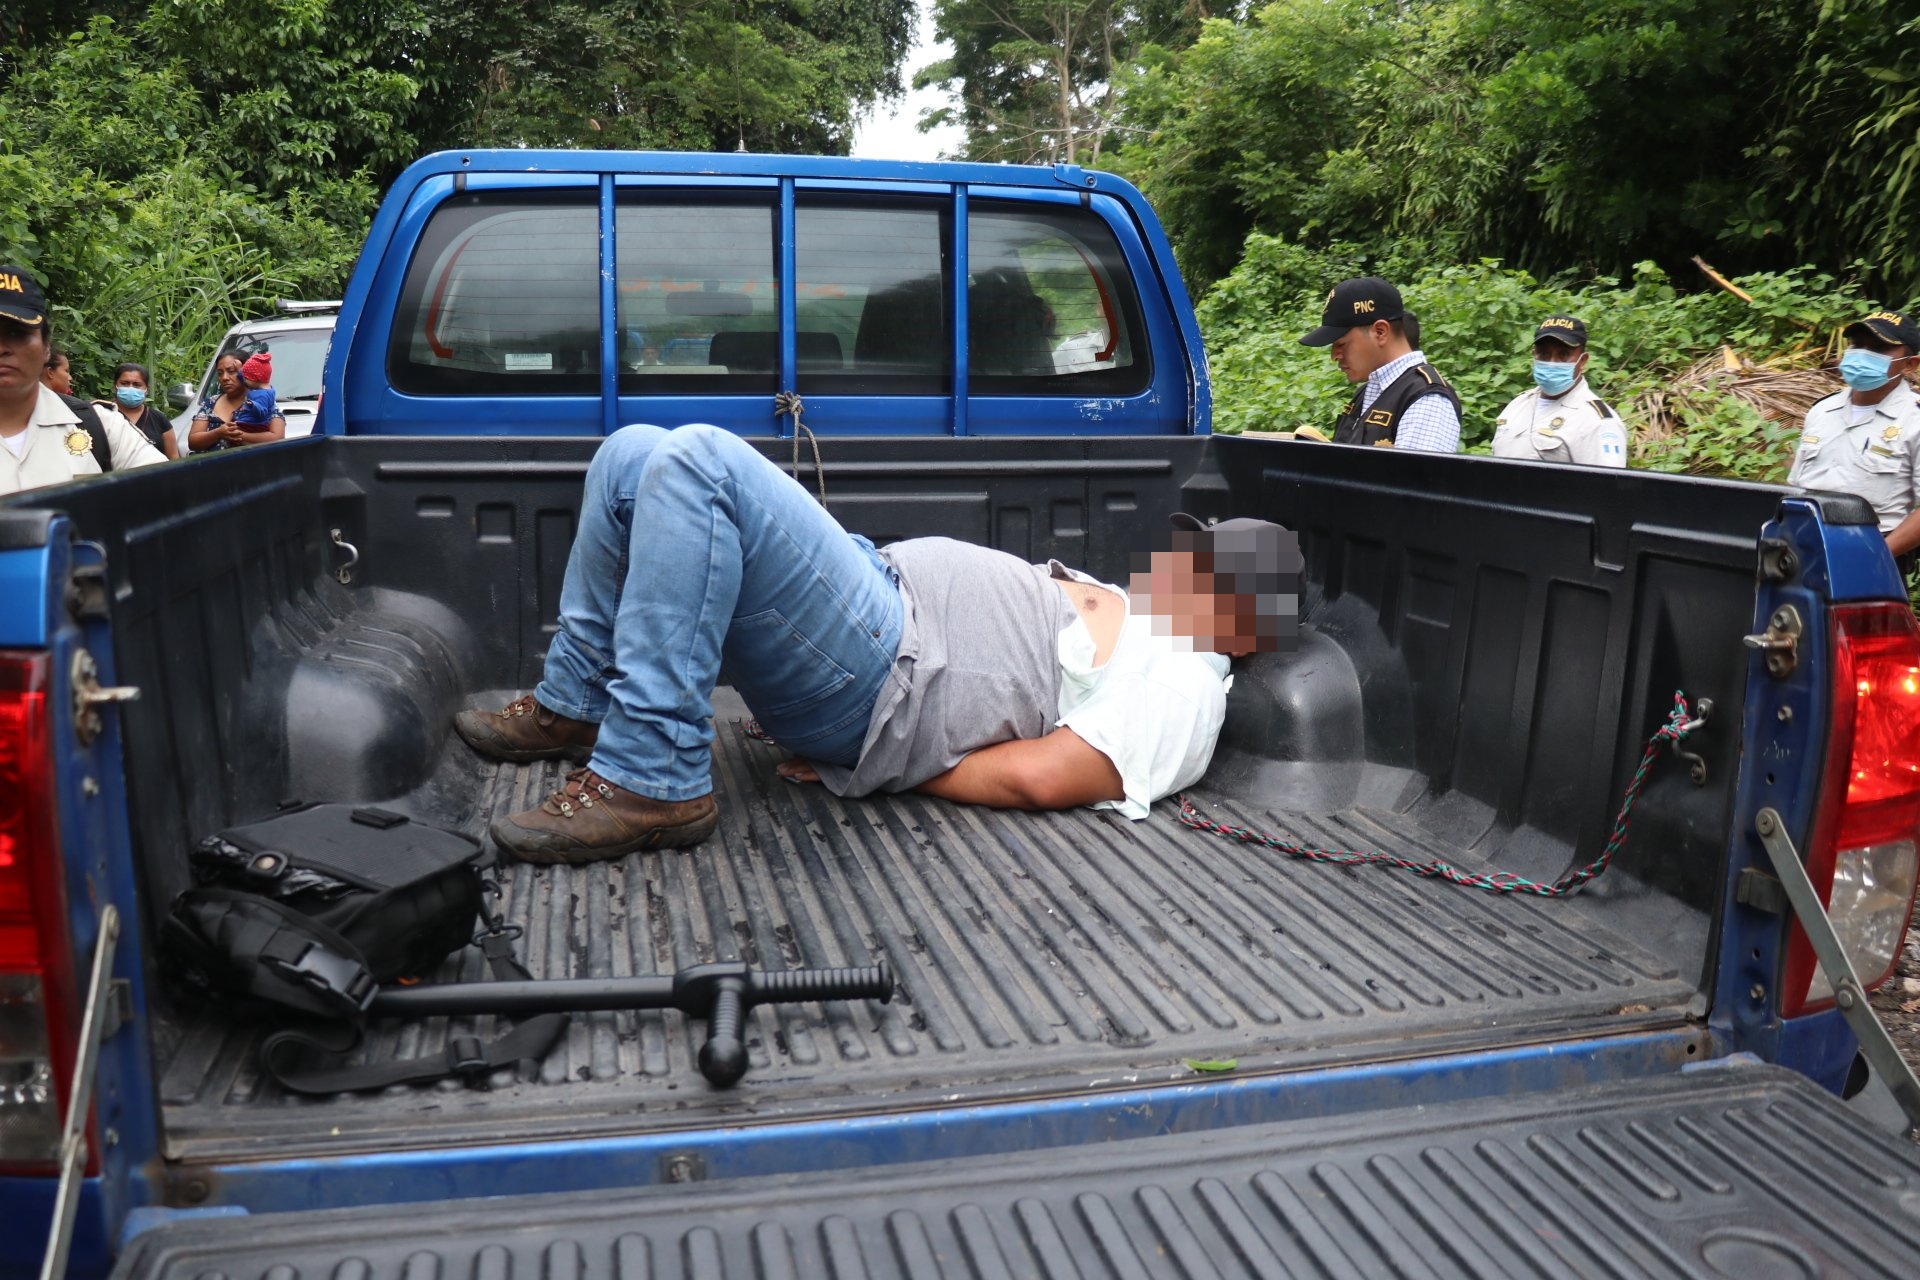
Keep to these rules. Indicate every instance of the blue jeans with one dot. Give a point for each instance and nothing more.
(694, 550)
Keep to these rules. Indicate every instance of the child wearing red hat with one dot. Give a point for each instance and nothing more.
(261, 407)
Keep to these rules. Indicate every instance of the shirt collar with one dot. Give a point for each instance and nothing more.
(1382, 378)
(49, 410)
(1898, 404)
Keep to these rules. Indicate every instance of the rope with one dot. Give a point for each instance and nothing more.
(1679, 724)
(789, 403)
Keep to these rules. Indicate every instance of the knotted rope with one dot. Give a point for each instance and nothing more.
(789, 404)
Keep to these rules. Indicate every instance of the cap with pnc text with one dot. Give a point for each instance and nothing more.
(1353, 303)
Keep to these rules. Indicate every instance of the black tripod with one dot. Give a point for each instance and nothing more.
(720, 993)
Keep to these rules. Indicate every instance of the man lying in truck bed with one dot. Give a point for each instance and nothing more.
(932, 665)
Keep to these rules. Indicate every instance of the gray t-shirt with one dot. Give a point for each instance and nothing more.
(979, 663)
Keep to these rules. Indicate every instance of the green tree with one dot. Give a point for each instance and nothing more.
(1033, 81)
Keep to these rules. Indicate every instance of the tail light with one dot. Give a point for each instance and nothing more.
(39, 1023)
(1864, 856)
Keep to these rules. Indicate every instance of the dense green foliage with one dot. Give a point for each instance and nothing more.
(1761, 133)
(170, 166)
(1477, 321)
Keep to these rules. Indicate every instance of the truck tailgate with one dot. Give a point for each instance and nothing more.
(1742, 1171)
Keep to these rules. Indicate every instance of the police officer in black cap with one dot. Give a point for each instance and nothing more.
(1866, 440)
(1403, 403)
(45, 437)
(1559, 418)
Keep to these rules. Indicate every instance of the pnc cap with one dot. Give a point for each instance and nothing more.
(20, 297)
(1887, 326)
(1562, 329)
(1353, 303)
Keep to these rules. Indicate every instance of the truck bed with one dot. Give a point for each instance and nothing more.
(1036, 954)
(1476, 684)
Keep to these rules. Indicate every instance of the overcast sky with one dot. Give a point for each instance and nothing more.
(890, 134)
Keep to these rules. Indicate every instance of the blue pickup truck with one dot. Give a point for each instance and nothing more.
(1116, 1048)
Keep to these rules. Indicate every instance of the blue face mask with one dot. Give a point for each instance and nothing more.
(132, 397)
(1865, 370)
(1554, 378)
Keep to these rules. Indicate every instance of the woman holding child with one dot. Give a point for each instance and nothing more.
(243, 412)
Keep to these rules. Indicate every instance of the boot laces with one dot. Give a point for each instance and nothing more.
(589, 786)
(524, 705)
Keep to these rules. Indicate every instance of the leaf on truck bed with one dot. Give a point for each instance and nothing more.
(1212, 1064)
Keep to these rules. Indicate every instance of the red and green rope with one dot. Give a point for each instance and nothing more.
(1674, 730)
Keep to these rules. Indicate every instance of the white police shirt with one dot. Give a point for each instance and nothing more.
(57, 446)
(1578, 427)
(1874, 454)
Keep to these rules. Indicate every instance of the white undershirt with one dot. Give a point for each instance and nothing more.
(1859, 413)
(16, 444)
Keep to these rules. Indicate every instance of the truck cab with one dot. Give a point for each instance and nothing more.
(579, 291)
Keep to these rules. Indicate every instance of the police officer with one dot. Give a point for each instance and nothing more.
(1866, 440)
(43, 439)
(1560, 419)
(1404, 402)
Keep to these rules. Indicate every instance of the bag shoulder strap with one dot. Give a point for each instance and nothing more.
(466, 1056)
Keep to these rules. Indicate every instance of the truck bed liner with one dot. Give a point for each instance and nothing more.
(1733, 1172)
(1035, 954)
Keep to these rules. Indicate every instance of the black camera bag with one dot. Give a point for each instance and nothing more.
(313, 909)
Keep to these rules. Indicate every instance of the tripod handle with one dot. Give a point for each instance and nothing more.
(862, 982)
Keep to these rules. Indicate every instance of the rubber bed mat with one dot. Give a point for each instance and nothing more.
(1744, 1172)
(1036, 953)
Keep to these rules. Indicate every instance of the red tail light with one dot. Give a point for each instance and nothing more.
(39, 1022)
(1864, 856)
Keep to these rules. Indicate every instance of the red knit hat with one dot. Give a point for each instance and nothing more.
(258, 368)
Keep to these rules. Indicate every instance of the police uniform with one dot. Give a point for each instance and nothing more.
(1578, 427)
(1874, 453)
(57, 445)
(1404, 403)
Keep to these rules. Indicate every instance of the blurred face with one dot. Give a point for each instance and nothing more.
(1177, 584)
(131, 378)
(1360, 351)
(227, 373)
(59, 375)
(23, 358)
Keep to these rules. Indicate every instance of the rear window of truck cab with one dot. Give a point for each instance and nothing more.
(501, 297)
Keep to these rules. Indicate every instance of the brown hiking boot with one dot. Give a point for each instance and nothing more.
(525, 730)
(589, 820)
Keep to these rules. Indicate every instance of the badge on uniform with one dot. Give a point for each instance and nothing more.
(1383, 444)
(1878, 451)
(1556, 422)
(1891, 434)
(79, 442)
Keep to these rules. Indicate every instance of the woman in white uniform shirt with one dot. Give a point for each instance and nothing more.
(42, 440)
